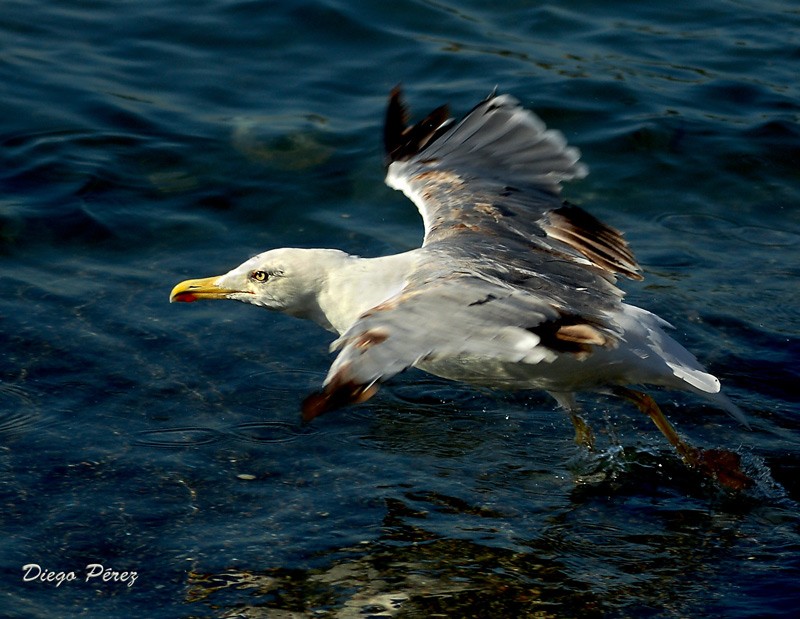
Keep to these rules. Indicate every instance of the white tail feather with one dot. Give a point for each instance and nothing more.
(667, 355)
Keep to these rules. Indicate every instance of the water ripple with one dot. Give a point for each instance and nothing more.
(697, 224)
(270, 431)
(713, 225)
(179, 437)
(262, 432)
(18, 411)
(766, 237)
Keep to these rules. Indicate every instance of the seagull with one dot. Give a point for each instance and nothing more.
(513, 287)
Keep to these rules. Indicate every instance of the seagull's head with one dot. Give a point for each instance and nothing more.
(287, 280)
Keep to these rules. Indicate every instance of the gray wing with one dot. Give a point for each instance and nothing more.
(506, 272)
(498, 173)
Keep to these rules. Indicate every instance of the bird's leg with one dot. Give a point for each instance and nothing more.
(719, 464)
(583, 433)
(648, 406)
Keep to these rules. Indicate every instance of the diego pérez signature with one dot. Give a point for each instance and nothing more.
(92, 572)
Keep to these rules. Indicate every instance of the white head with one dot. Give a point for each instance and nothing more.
(287, 280)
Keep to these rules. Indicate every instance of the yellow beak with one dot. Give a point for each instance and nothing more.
(194, 289)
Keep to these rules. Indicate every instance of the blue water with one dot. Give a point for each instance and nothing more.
(146, 142)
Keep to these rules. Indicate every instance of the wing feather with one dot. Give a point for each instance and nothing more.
(498, 172)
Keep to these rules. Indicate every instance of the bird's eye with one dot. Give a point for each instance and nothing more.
(260, 276)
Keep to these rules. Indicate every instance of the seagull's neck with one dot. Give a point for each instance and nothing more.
(354, 285)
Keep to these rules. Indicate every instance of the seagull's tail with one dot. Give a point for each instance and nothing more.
(686, 371)
(695, 379)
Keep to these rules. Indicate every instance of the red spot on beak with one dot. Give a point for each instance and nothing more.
(184, 297)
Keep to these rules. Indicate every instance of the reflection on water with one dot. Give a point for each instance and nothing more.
(433, 578)
(595, 556)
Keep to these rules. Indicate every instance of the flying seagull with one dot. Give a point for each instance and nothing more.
(512, 288)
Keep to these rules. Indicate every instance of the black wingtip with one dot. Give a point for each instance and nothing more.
(401, 141)
(396, 121)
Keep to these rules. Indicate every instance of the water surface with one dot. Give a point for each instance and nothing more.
(143, 143)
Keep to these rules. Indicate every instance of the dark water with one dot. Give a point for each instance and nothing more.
(146, 142)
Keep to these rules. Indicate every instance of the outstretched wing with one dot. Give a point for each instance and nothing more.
(498, 173)
(507, 271)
